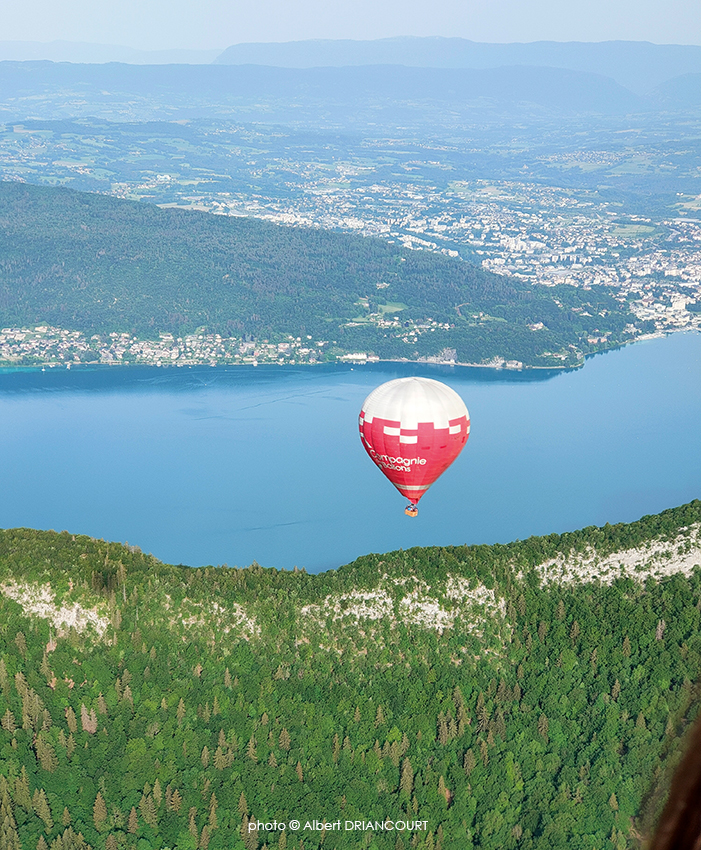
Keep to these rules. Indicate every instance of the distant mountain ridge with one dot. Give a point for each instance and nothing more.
(85, 52)
(640, 66)
(387, 87)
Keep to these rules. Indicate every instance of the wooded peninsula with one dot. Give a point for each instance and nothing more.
(87, 278)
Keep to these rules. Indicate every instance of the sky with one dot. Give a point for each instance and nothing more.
(210, 24)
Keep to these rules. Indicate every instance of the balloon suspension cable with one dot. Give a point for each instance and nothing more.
(411, 510)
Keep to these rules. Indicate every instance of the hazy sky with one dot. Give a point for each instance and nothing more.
(201, 24)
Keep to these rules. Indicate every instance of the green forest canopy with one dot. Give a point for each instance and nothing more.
(98, 264)
(524, 714)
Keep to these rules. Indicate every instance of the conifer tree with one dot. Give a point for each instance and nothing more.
(9, 838)
(71, 720)
(204, 838)
(41, 807)
(406, 783)
(251, 748)
(213, 804)
(22, 794)
(133, 825)
(8, 721)
(148, 810)
(99, 812)
(192, 824)
(176, 801)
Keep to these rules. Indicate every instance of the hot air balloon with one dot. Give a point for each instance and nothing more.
(413, 429)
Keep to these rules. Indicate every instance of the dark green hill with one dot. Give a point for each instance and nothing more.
(522, 696)
(98, 264)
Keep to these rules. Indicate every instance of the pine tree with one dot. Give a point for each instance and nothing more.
(284, 740)
(66, 817)
(468, 762)
(22, 794)
(180, 713)
(99, 812)
(213, 804)
(204, 838)
(243, 805)
(251, 748)
(45, 753)
(192, 824)
(219, 759)
(157, 792)
(71, 720)
(133, 825)
(250, 838)
(204, 757)
(299, 772)
(41, 807)
(4, 678)
(21, 642)
(406, 783)
(148, 810)
(176, 801)
(443, 790)
(9, 838)
(8, 721)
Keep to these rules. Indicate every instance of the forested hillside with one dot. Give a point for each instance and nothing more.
(97, 264)
(531, 695)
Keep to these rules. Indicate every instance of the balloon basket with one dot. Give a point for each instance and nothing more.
(411, 510)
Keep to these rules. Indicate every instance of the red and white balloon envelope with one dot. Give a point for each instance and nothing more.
(413, 429)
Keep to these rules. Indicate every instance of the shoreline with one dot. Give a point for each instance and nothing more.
(79, 366)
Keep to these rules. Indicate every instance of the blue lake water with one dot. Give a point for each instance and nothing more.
(213, 466)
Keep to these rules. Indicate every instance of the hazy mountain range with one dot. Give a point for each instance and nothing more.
(639, 66)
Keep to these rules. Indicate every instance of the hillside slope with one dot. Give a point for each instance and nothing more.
(97, 264)
(509, 696)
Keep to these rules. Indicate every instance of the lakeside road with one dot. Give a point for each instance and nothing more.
(48, 347)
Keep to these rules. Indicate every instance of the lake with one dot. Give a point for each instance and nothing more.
(231, 465)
